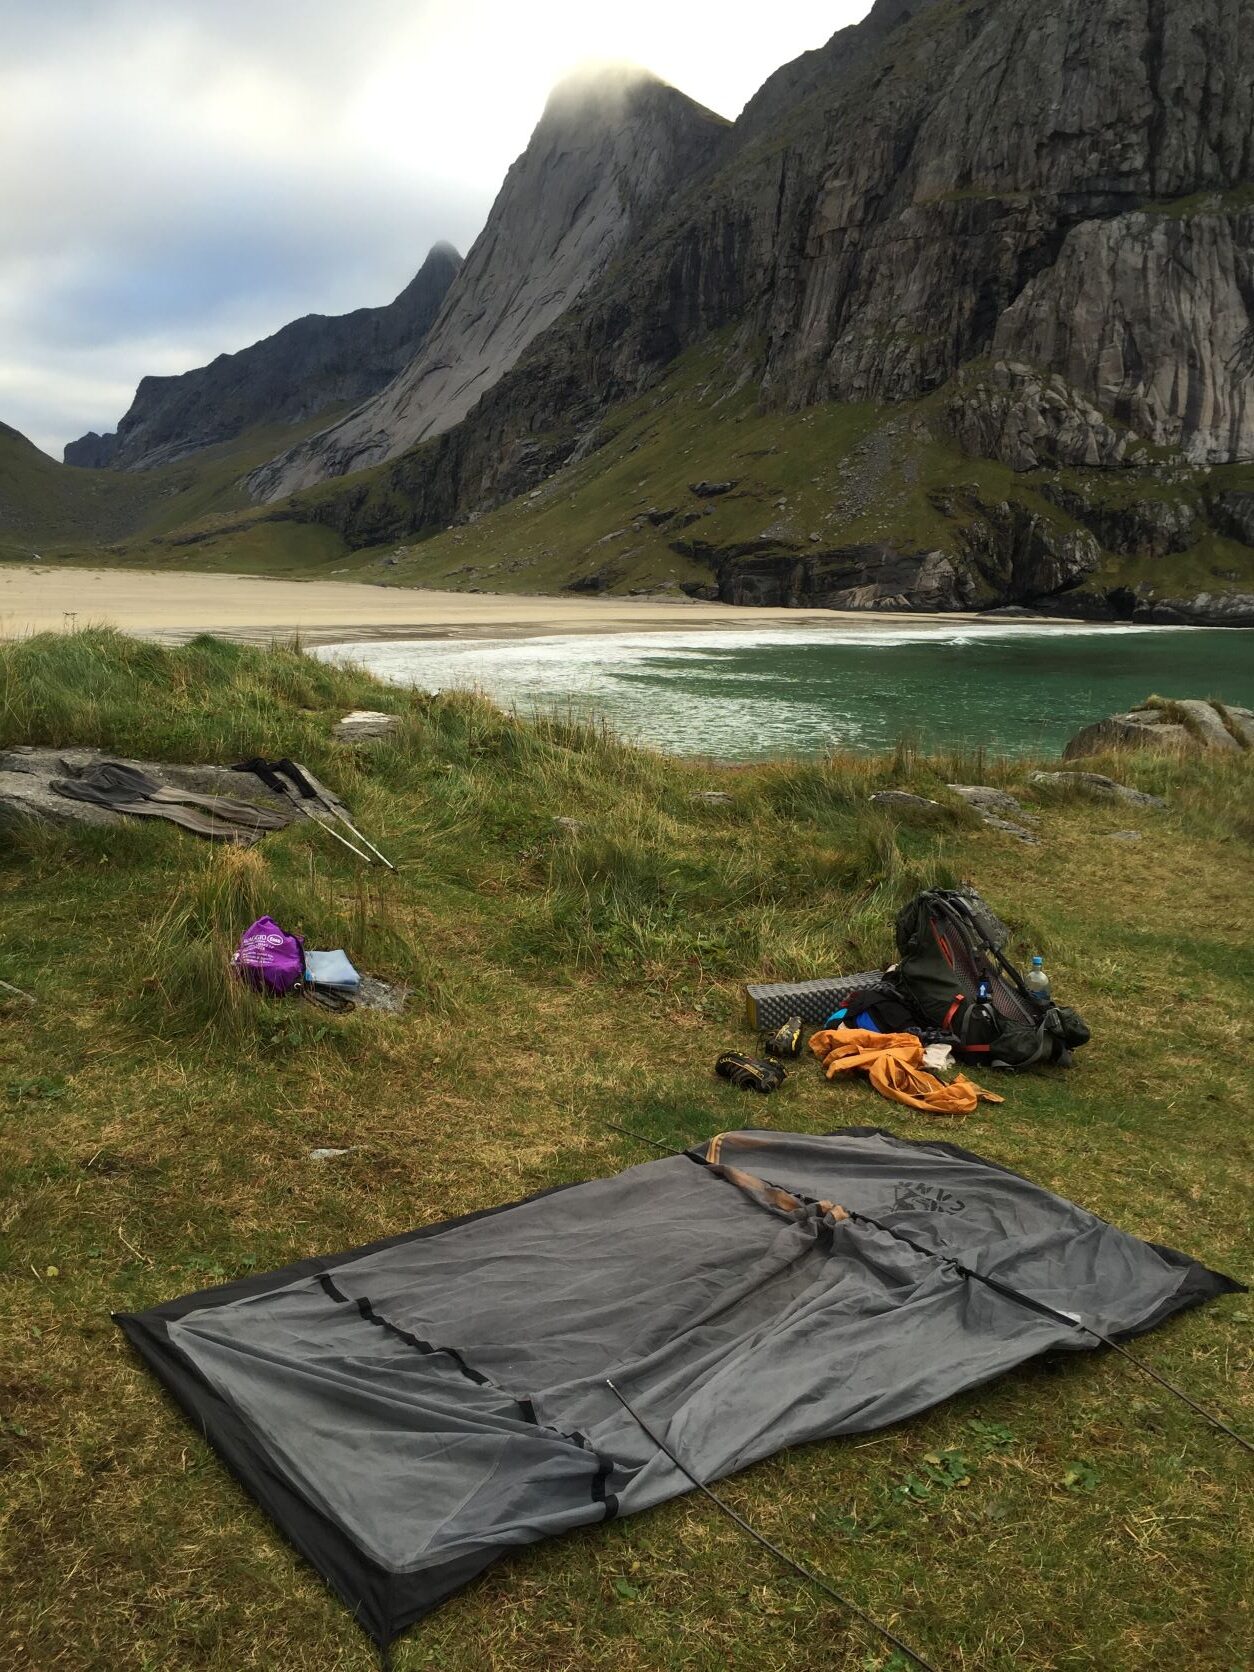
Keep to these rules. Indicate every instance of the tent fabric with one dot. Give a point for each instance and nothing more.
(125, 789)
(410, 1411)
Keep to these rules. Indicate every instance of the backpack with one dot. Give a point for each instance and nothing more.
(948, 940)
(268, 957)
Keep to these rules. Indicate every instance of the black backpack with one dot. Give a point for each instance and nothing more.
(948, 941)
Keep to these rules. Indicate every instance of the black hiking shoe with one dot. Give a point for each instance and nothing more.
(786, 1040)
(749, 1073)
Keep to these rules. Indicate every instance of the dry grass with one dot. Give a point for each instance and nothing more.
(156, 1127)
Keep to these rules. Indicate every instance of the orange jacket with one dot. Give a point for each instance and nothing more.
(894, 1062)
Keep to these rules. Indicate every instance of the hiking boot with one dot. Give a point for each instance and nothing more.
(786, 1040)
(749, 1073)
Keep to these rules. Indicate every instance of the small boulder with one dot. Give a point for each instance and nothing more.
(1187, 724)
(709, 490)
(1202, 719)
(1008, 828)
(1098, 784)
(1126, 836)
(365, 725)
(985, 799)
(712, 798)
(904, 800)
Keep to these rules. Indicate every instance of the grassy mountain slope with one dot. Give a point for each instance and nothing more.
(63, 511)
(624, 518)
(157, 1123)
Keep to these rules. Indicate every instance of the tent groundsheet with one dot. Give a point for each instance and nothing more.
(410, 1411)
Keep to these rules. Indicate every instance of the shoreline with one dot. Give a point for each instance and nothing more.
(255, 609)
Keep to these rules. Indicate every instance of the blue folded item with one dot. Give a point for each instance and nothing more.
(331, 969)
(867, 1021)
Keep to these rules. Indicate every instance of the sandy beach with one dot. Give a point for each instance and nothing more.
(173, 608)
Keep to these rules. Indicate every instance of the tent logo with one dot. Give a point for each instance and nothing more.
(926, 1198)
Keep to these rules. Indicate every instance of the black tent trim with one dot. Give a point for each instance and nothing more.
(369, 1591)
(383, 1602)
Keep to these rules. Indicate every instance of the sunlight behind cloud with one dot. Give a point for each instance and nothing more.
(194, 177)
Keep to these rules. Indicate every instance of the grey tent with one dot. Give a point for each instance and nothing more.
(410, 1411)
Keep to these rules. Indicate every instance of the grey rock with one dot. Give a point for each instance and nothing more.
(607, 154)
(986, 799)
(954, 183)
(1154, 728)
(26, 798)
(1205, 609)
(1098, 784)
(713, 798)
(571, 826)
(26, 793)
(1139, 729)
(904, 800)
(365, 725)
(312, 364)
(845, 578)
(329, 1154)
(1022, 555)
(1009, 828)
(1138, 528)
(1126, 836)
(1027, 419)
(1150, 315)
(1205, 722)
(711, 490)
(1233, 515)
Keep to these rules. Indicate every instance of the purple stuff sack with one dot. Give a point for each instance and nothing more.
(269, 957)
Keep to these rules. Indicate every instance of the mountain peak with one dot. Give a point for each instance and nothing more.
(613, 144)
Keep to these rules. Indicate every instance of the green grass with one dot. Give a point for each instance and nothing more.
(156, 1123)
(62, 511)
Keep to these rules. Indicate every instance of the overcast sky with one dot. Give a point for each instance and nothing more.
(181, 177)
(184, 176)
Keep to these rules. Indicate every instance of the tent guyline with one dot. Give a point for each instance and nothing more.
(807, 1573)
(1063, 1318)
(1005, 1289)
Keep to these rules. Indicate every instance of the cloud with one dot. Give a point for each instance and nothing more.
(193, 176)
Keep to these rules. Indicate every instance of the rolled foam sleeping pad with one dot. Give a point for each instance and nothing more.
(768, 1004)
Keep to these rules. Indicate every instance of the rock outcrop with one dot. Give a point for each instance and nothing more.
(844, 578)
(311, 365)
(608, 153)
(1204, 609)
(1233, 514)
(1098, 785)
(1028, 420)
(1021, 556)
(1184, 724)
(1152, 316)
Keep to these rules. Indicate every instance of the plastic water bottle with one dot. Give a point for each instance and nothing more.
(1037, 982)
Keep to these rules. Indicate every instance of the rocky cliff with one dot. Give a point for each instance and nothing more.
(609, 151)
(310, 365)
(1039, 208)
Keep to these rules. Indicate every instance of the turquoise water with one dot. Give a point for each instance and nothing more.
(741, 694)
